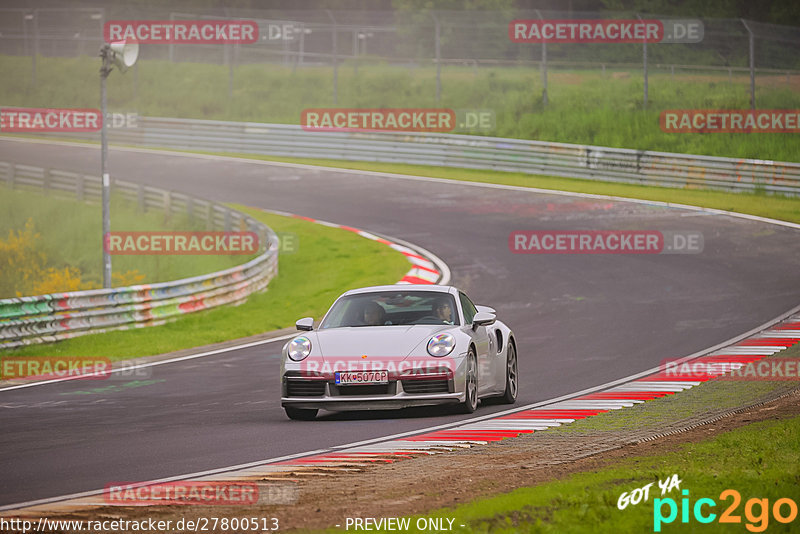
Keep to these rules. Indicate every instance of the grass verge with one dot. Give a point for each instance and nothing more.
(757, 460)
(764, 467)
(65, 234)
(305, 286)
(586, 106)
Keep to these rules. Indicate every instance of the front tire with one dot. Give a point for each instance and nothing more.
(512, 376)
(300, 414)
(470, 403)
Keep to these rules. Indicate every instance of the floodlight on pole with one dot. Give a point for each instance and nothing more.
(120, 54)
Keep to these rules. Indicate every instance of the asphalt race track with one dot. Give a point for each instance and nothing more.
(580, 320)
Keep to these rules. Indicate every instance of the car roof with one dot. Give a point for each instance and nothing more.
(403, 287)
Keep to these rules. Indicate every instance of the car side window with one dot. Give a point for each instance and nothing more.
(468, 307)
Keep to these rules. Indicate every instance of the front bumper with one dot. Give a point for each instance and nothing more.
(301, 390)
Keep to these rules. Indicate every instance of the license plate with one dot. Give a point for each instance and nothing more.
(362, 377)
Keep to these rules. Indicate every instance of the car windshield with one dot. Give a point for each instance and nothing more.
(392, 308)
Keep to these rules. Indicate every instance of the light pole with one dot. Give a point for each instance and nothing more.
(122, 55)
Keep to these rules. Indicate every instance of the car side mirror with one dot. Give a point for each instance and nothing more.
(305, 324)
(483, 319)
(486, 309)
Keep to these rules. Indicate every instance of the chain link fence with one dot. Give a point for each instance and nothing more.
(418, 39)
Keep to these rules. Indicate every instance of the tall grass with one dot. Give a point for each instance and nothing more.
(585, 106)
(67, 235)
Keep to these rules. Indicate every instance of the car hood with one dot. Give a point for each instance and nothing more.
(391, 342)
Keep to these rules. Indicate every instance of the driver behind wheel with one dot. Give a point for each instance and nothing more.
(443, 311)
(374, 314)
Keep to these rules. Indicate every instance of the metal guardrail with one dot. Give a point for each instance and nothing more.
(47, 318)
(465, 151)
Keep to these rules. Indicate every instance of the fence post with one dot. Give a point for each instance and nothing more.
(644, 64)
(752, 65)
(543, 67)
(355, 52)
(35, 45)
(228, 58)
(171, 44)
(437, 44)
(334, 31)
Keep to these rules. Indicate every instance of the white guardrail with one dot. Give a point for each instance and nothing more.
(47, 318)
(465, 151)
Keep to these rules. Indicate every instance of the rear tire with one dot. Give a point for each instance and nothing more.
(300, 414)
(512, 376)
(470, 403)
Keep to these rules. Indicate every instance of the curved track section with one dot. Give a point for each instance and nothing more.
(580, 320)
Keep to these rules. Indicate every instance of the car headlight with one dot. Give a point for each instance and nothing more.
(441, 345)
(299, 348)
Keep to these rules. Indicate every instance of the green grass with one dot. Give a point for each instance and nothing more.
(585, 106)
(327, 262)
(763, 466)
(70, 236)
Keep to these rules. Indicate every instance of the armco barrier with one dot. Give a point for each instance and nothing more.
(476, 152)
(47, 318)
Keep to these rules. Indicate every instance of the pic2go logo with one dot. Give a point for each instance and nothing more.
(756, 511)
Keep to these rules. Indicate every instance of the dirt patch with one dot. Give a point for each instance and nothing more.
(444, 480)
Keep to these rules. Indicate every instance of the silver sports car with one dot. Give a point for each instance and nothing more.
(397, 346)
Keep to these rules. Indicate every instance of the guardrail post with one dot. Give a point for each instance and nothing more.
(140, 198)
(167, 203)
(190, 209)
(227, 220)
(12, 175)
(80, 187)
(46, 179)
